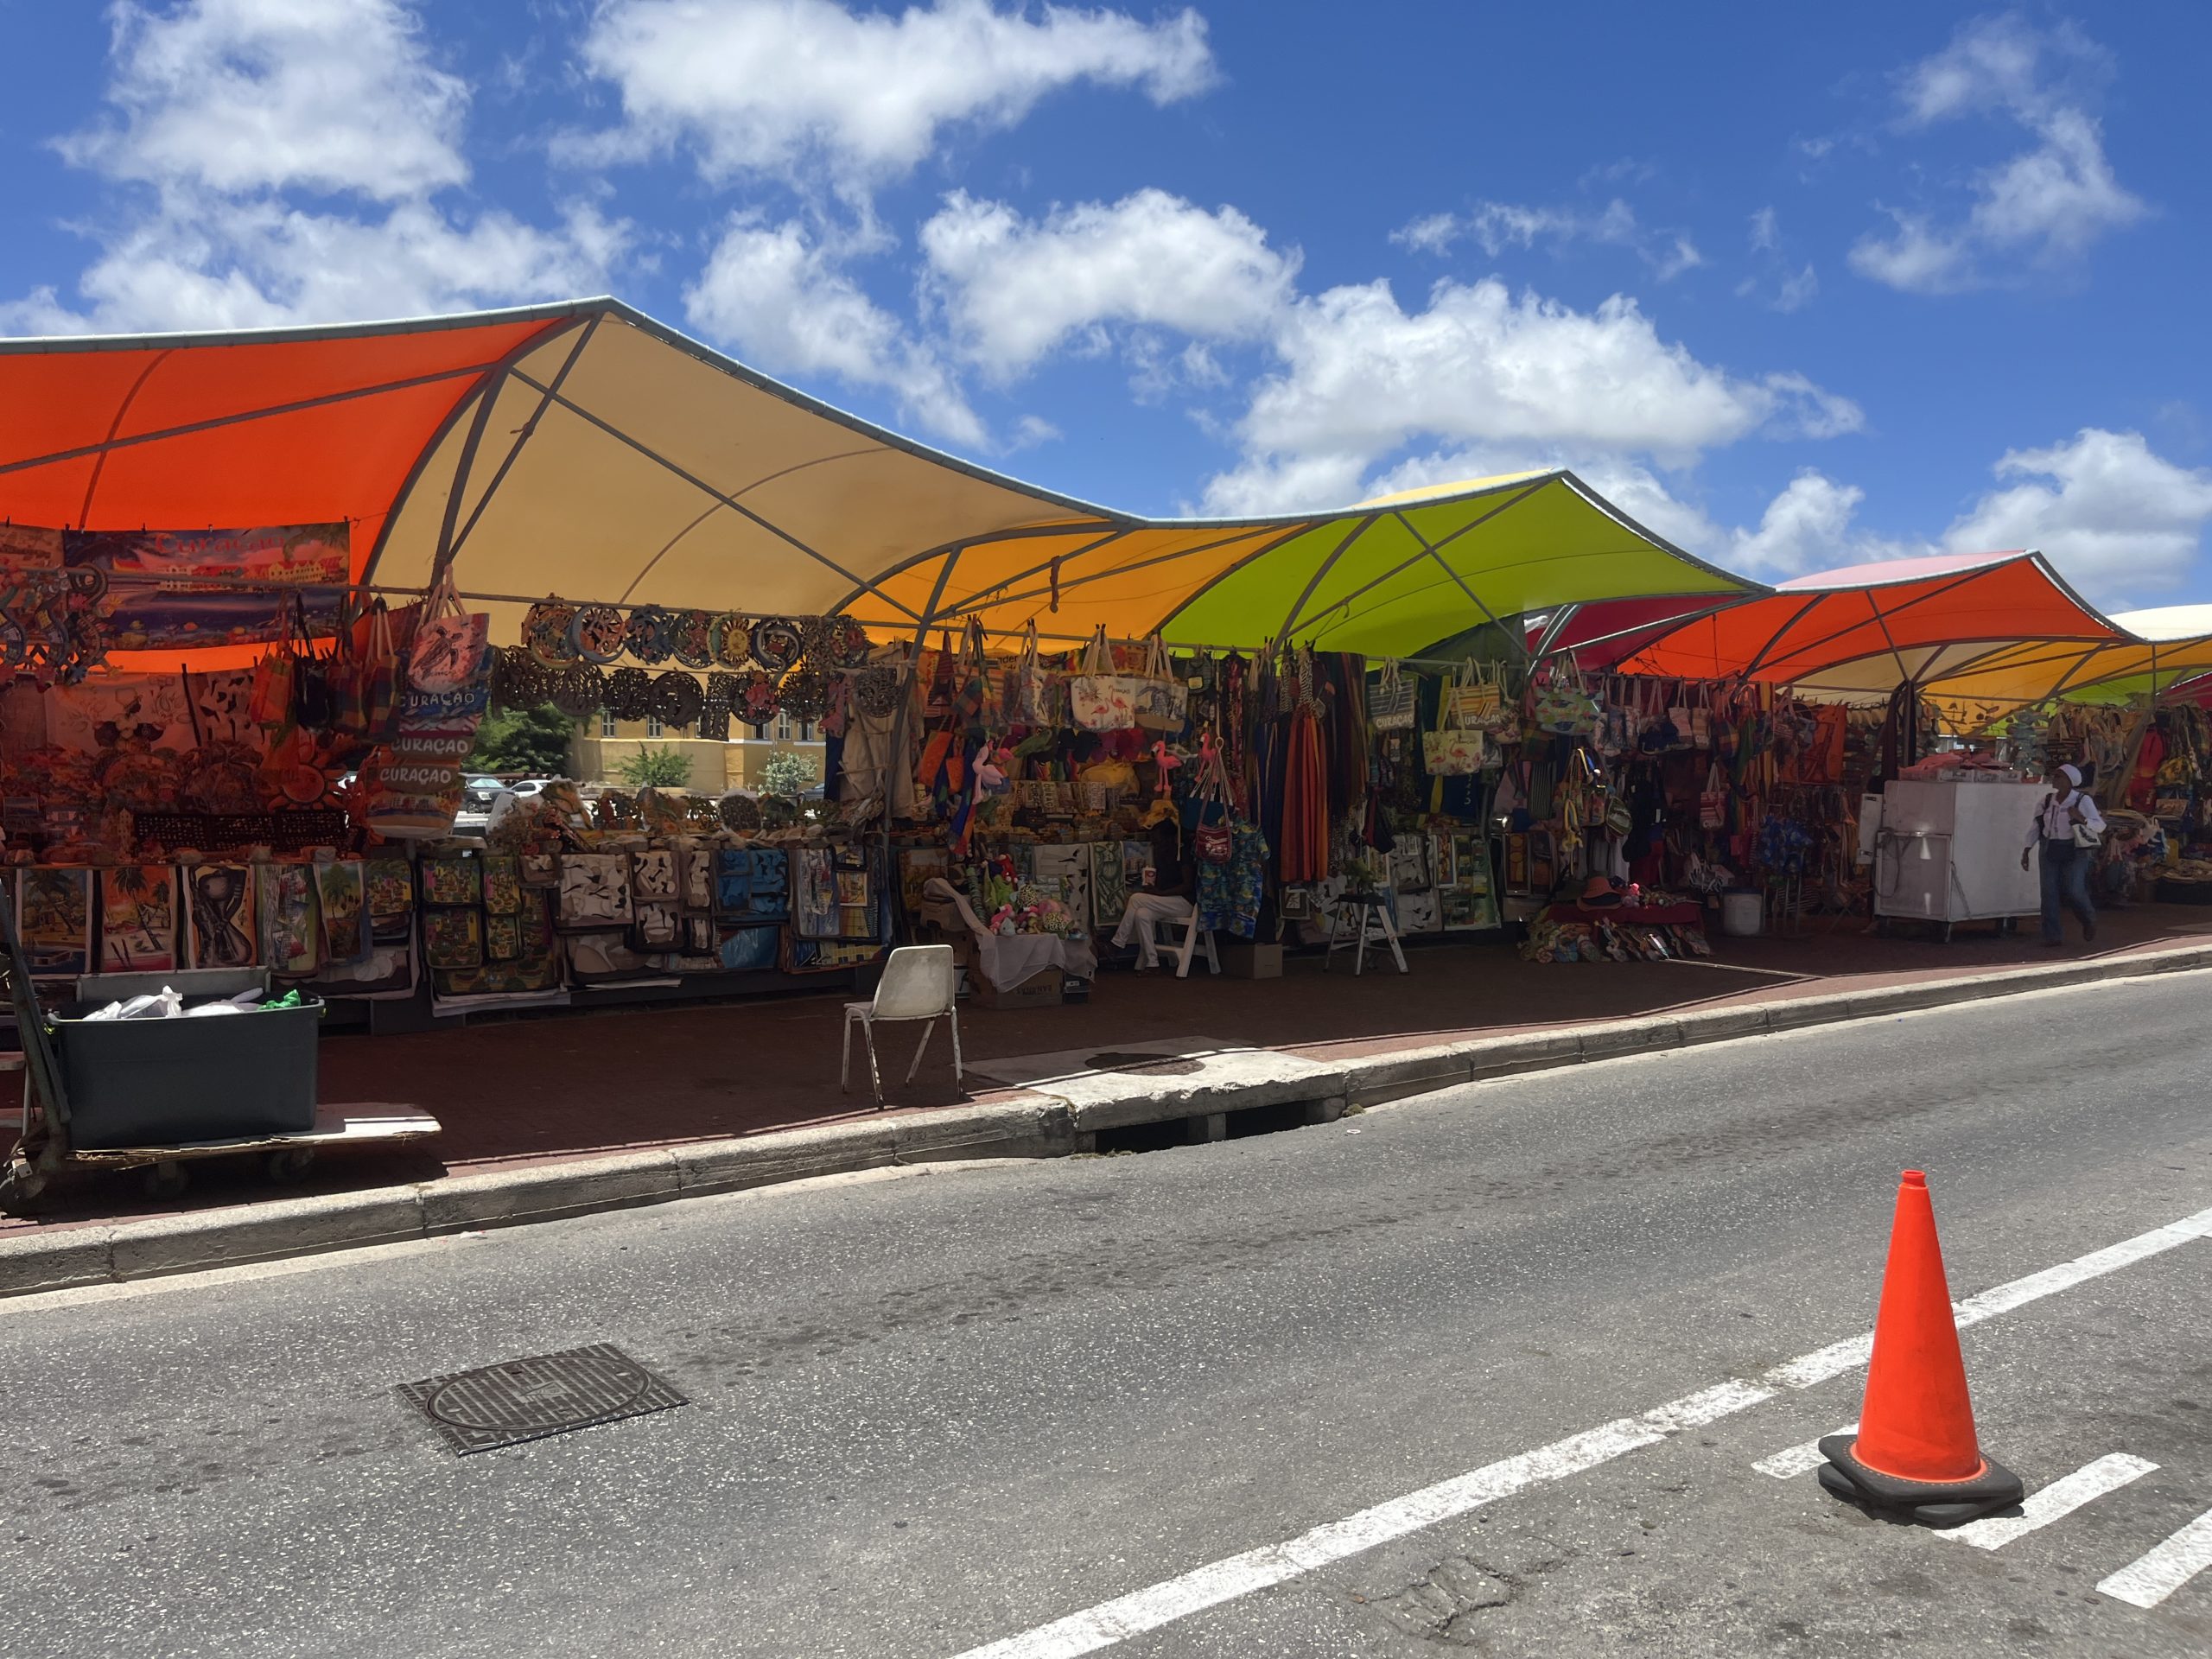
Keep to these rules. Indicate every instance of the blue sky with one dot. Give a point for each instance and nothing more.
(1797, 287)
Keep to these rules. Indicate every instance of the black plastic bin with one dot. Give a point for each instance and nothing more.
(163, 1083)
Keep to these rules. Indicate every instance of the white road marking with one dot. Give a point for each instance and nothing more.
(1799, 1460)
(2062, 1497)
(2150, 1577)
(1235, 1576)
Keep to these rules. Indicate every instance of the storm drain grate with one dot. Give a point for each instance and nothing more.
(520, 1399)
(1150, 1066)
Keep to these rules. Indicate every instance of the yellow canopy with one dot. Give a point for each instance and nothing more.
(1388, 577)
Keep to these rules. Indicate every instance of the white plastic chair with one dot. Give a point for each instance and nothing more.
(1194, 940)
(919, 982)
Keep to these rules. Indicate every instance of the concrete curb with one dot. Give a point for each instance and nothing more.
(1022, 1124)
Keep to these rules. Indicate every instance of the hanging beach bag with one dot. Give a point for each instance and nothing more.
(1476, 698)
(450, 641)
(1161, 702)
(1391, 705)
(1564, 706)
(1701, 732)
(1099, 699)
(1712, 800)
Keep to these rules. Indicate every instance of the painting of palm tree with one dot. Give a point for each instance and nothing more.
(138, 919)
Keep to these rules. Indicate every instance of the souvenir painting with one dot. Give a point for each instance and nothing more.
(753, 884)
(138, 919)
(339, 896)
(916, 866)
(290, 938)
(502, 877)
(453, 938)
(53, 915)
(655, 927)
(389, 886)
(452, 881)
(594, 891)
(541, 869)
(749, 949)
(652, 877)
(696, 868)
(502, 938)
(219, 899)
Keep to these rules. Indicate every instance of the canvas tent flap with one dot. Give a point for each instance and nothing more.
(1858, 632)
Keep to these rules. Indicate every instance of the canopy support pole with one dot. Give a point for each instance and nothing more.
(895, 763)
(1429, 551)
(1519, 644)
(1328, 564)
(528, 429)
(720, 498)
(513, 355)
(487, 395)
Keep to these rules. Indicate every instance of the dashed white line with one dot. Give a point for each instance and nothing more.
(1797, 1460)
(1235, 1576)
(2062, 1497)
(2151, 1577)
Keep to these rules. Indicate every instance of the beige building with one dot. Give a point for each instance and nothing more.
(603, 742)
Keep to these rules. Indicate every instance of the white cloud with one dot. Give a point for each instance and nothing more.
(245, 265)
(2117, 518)
(1919, 258)
(1781, 284)
(2047, 205)
(1012, 291)
(785, 86)
(233, 122)
(1498, 226)
(783, 300)
(237, 96)
(1362, 377)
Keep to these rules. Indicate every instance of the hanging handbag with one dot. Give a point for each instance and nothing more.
(1391, 705)
(1160, 701)
(1712, 800)
(450, 641)
(1100, 699)
(313, 699)
(1028, 690)
(1701, 732)
(375, 677)
(1215, 843)
(1564, 706)
(1475, 701)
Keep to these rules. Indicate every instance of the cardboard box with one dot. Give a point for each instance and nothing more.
(1040, 990)
(1245, 959)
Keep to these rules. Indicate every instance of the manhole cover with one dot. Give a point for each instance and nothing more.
(520, 1399)
(1151, 1065)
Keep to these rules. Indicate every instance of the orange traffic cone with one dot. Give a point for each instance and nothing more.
(1915, 1448)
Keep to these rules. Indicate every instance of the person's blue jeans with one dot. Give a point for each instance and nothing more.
(2065, 883)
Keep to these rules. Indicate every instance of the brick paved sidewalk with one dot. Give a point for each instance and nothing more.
(560, 1084)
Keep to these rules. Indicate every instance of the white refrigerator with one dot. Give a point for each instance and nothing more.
(1949, 851)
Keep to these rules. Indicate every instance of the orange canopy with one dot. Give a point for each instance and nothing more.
(1859, 632)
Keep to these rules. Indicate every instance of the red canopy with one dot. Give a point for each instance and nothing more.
(1865, 629)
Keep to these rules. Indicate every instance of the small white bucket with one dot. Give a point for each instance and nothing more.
(1743, 914)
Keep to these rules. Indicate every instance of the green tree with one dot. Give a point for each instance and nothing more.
(786, 773)
(666, 767)
(531, 741)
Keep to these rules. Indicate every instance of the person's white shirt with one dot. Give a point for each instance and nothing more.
(2054, 818)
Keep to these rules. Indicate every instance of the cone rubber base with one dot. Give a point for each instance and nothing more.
(1931, 1502)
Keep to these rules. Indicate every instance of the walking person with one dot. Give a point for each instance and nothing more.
(1166, 895)
(2068, 828)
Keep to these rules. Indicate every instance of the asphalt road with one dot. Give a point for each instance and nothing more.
(935, 1411)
